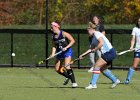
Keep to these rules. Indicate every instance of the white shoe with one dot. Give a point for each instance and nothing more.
(115, 84)
(90, 70)
(91, 87)
(74, 85)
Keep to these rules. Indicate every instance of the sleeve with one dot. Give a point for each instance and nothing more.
(134, 31)
(98, 35)
(101, 28)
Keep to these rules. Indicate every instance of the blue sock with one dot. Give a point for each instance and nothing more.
(130, 73)
(94, 78)
(95, 75)
(109, 75)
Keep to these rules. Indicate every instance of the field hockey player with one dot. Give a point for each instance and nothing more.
(63, 41)
(108, 54)
(135, 40)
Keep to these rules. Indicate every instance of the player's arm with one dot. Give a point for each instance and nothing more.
(103, 32)
(85, 53)
(53, 48)
(71, 40)
(132, 42)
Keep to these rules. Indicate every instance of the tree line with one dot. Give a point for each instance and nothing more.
(110, 11)
(68, 11)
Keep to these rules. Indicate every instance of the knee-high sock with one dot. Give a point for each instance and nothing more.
(71, 75)
(62, 71)
(130, 73)
(95, 76)
(109, 75)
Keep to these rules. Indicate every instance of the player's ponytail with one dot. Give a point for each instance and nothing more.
(91, 25)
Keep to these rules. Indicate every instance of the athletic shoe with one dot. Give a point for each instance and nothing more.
(90, 70)
(126, 81)
(91, 87)
(74, 85)
(115, 84)
(66, 81)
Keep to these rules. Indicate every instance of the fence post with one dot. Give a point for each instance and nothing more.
(11, 49)
(78, 50)
(46, 32)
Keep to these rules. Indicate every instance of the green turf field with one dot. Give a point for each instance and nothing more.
(45, 84)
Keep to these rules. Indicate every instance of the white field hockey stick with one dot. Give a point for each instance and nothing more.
(42, 61)
(73, 61)
(123, 52)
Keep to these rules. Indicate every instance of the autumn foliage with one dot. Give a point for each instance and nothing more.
(80, 11)
(22, 12)
(68, 11)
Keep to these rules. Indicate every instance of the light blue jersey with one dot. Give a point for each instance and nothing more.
(106, 44)
(136, 33)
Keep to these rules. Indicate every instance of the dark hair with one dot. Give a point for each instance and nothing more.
(100, 21)
(137, 25)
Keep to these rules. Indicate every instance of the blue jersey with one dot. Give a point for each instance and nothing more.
(62, 42)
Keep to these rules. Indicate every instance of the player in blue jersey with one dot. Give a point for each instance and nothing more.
(63, 41)
(108, 53)
(134, 41)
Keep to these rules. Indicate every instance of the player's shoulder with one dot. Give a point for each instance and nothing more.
(98, 33)
(135, 29)
(64, 32)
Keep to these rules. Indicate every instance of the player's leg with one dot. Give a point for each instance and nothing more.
(70, 71)
(59, 69)
(99, 53)
(106, 72)
(108, 57)
(92, 59)
(96, 71)
(104, 60)
(132, 70)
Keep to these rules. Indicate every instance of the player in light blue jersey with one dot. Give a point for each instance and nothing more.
(108, 53)
(134, 41)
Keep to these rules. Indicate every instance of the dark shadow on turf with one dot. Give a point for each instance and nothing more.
(67, 87)
(48, 87)
(104, 83)
(108, 83)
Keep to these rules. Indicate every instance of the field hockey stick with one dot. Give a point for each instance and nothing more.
(123, 52)
(42, 61)
(73, 61)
